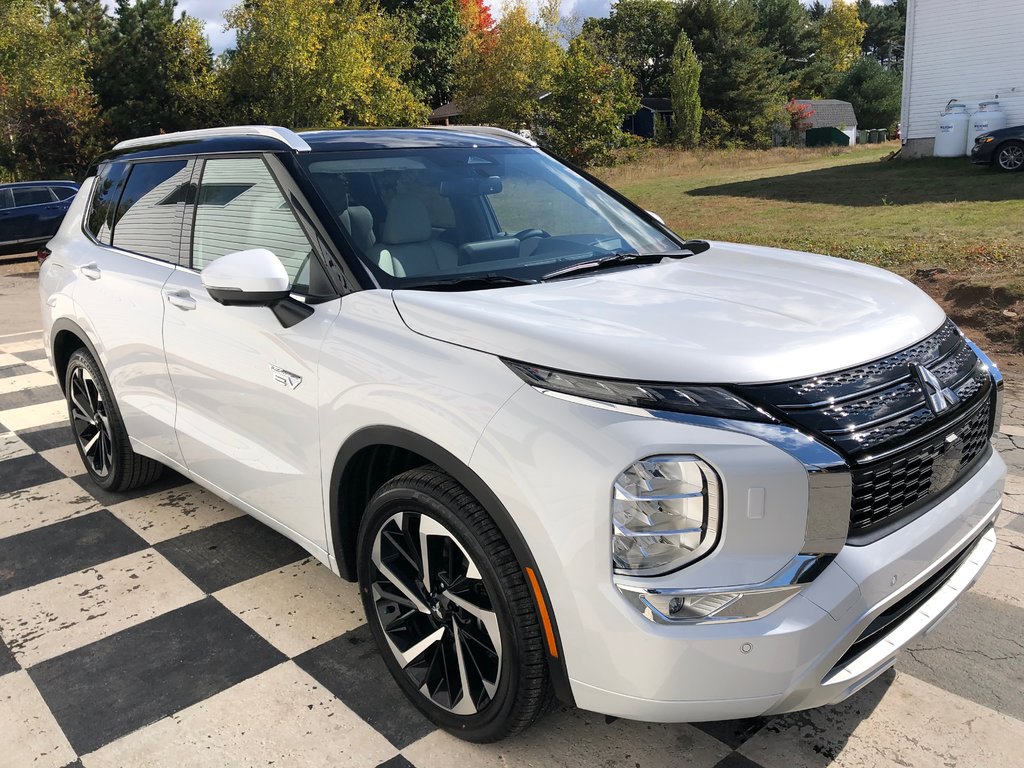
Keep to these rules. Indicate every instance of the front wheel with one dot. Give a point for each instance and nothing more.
(99, 431)
(450, 609)
(1010, 156)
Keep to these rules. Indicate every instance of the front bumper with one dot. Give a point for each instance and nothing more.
(620, 663)
(801, 650)
(981, 154)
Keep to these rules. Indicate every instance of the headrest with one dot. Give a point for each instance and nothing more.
(359, 222)
(407, 221)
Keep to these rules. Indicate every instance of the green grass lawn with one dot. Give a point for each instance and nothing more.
(902, 215)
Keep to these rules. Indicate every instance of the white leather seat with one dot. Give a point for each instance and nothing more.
(407, 247)
(358, 222)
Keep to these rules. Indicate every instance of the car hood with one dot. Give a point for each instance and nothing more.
(733, 314)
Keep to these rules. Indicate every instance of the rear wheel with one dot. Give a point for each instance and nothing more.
(450, 609)
(1010, 156)
(99, 431)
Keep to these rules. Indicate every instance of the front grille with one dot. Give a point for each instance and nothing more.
(894, 485)
(876, 415)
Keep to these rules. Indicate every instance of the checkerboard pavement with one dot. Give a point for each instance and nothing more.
(164, 628)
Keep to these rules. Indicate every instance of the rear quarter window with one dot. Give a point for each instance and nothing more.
(63, 193)
(105, 193)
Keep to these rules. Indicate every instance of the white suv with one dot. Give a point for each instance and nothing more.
(563, 451)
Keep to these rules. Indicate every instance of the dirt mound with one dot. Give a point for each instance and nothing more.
(990, 312)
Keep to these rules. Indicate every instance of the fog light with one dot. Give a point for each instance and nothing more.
(665, 513)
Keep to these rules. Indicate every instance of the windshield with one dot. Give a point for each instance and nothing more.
(451, 215)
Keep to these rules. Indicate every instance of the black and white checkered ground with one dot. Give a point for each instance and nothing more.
(165, 628)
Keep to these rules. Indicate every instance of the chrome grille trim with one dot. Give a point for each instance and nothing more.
(877, 416)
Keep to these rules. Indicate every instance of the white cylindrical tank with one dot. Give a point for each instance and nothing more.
(951, 137)
(989, 117)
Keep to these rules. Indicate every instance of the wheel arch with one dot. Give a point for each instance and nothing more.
(372, 456)
(67, 337)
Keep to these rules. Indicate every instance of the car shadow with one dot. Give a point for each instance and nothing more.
(896, 182)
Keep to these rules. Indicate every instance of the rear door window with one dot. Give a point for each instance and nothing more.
(105, 193)
(6, 200)
(63, 193)
(149, 214)
(31, 196)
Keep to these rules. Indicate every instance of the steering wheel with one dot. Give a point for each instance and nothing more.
(534, 232)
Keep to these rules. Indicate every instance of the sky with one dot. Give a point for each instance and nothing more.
(212, 14)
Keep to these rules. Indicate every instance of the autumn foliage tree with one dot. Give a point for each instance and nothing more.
(319, 63)
(48, 114)
(588, 102)
(841, 34)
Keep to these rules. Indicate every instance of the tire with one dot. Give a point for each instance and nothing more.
(99, 430)
(469, 618)
(1009, 157)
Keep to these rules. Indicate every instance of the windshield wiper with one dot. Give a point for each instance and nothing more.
(627, 257)
(470, 282)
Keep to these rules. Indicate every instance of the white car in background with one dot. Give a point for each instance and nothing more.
(562, 450)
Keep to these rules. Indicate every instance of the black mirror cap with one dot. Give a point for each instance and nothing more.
(232, 297)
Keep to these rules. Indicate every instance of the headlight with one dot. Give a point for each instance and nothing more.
(984, 139)
(698, 399)
(666, 512)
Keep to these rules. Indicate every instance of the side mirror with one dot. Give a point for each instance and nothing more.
(656, 217)
(253, 278)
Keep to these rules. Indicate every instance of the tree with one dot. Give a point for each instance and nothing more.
(684, 85)
(154, 73)
(638, 37)
(874, 91)
(589, 100)
(476, 16)
(885, 29)
(504, 76)
(48, 113)
(319, 63)
(841, 34)
(785, 26)
(437, 31)
(740, 84)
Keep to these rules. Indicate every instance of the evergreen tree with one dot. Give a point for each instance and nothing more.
(589, 100)
(874, 91)
(885, 29)
(785, 26)
(740, 84)
(684, 86)
(153, 73)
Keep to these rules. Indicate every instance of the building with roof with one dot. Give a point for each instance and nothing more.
(644, 121)
(829, 122)
(968, 52)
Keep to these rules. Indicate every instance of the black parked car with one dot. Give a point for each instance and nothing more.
(31, 212)
(1003, 148)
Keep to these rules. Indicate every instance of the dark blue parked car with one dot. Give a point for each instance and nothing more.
(31, 212)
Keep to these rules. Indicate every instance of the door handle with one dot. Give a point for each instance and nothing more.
(92, 271)
(181, 299)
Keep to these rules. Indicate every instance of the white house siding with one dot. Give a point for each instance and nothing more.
(969, 50)
(257, 218)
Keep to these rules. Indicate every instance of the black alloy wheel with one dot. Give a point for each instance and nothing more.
(99, 429)
(450, 609)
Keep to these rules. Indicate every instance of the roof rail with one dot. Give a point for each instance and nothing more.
(487, 130)
(285, 136)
